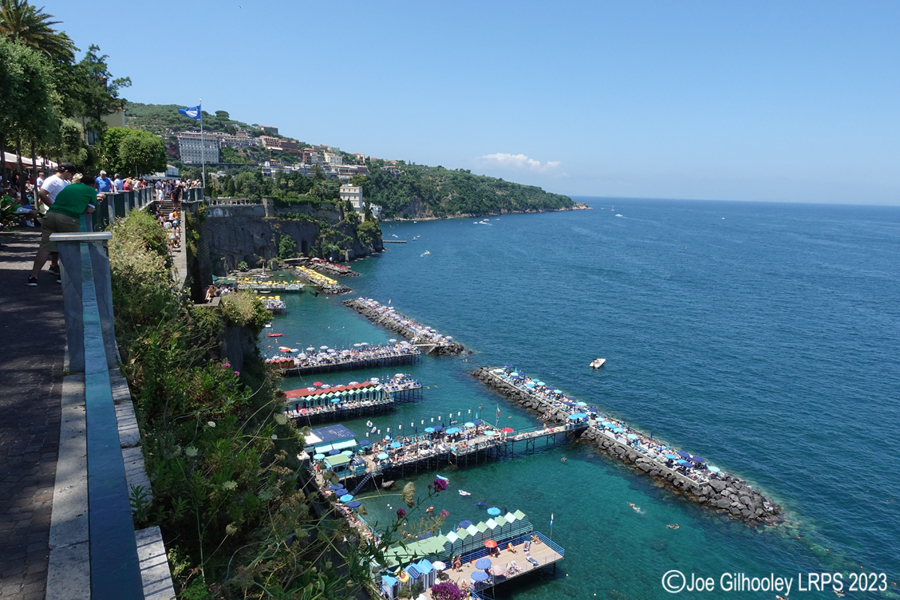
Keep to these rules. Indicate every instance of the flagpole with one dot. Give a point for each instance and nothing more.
(202, 144)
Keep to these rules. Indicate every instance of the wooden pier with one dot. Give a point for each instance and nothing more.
(407, 358)
(337, 412)
(425, 455)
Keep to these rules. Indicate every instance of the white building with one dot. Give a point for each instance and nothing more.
(354, 194)
(333, 159)
(194, 150)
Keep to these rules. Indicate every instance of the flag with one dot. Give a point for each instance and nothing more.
(551, 519)
(192, 112)
(498, 412)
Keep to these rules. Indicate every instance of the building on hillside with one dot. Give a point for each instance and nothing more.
(238, 140)
(354, 194)
(333, 159)
(310, 157)
(195, 149)
(270, 143)
(268, 129)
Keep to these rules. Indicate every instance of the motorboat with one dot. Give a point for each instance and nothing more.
(597, 363)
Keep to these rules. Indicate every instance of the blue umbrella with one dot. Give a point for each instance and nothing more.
(438, 427)
(478, 421)
(560, 392)
(395, 444)
(346, 498)
(581, 403)
(671, 456)
(354, 504)
(480, 504)
(479, 576)
(340, 492)
(365, 443)
(382, 456)
(683, 454)
(483, 563)
(335, 400)
(714, 469)
(513, 374)
(332, 452)
(470, 424)
(335, 487)
(683, 463)
(631, 436)
(465, 523)
(489, 433)
(531, 385)
(452, 430)
(318, 457)
(429, 430)
(347, 452)
(493, 511)
(619, 430)
(698, 459)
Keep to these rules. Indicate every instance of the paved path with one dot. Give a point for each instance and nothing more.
(32, 343)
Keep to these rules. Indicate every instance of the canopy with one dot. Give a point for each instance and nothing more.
(483, 563)
(493, 511)
(498, 570)
(347, 452)
(340, 459)
(479, 576)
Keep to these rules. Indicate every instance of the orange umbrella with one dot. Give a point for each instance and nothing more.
(490, 544)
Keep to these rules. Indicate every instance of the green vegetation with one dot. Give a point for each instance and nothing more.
(49, 101)
(132, 151)
(160, 118)
(448, 193)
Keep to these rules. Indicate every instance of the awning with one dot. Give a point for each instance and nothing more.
(338, 459)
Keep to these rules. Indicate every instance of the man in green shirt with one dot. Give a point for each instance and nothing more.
(63, 217)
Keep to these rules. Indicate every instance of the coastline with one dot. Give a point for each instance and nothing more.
(577, 206)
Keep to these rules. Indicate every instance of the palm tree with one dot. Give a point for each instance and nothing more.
(22, 22)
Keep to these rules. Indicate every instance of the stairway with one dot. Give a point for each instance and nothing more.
(362, 483)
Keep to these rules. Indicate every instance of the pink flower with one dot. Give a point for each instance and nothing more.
(401, 513)
(227, 364)
(440, 485)
(237, 372)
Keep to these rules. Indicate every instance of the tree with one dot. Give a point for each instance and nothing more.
(93, 91)
(287, 247)
(21, 22)
(143, 153)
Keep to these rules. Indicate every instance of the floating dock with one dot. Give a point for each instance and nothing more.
(310, 406)
(712, 487)
(423, 337)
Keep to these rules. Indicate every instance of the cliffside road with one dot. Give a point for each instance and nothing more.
(32, 343)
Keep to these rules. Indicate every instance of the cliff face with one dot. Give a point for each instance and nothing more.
(244, 233)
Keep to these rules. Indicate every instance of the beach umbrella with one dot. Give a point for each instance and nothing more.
(483, 563)
(365, 443)
(465, 523)
(429, 430)
(698, 459)
(438, 427)
(334, 487)
(317, 383)
(479, 576)
(323, 347)
(382, 456)
(571, 398)
(340, 491)
(335, 400)
(489, 433)
(493, 511)
(581, 403)
(318, 457)
(491, 543)
(539, 383)
(395, 444)
(670, 456)
(452, 430)
(559, 392)
(498, 570)
(354, 504)
(438, 565)
(683, 463)
(392, 340)
(713, 469)
(531, 385)
(469, 424)
(619, 430)
(347, 452)
(631, 436)
(346, 498)
(333, 452)
(683, 454)
(480, 504)
(513, 374)
(357, 345)
(507, 430)
(478, 421)
(311, 349)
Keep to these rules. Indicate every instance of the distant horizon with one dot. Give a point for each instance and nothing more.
(577, 197)
(790, 102)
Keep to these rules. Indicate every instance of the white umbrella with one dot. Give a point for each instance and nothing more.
(392, 340)
(323, 347)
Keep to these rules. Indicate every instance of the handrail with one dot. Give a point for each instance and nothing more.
(114, 563)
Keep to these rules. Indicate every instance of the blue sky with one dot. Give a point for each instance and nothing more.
(790, 101)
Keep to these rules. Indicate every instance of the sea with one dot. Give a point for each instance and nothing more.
(763, 336)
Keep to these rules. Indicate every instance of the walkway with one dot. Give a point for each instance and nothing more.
(32, 345)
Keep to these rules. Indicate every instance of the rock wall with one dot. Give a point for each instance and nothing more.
(409, 334)
(725, 493)
(238, 238)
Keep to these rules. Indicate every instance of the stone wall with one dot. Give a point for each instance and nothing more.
(725, 493)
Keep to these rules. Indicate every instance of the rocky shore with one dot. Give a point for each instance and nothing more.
(723, 493)
(403, 331)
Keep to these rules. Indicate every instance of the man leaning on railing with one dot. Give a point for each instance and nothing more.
(63, 217)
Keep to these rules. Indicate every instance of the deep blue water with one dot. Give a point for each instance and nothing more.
(764, 337)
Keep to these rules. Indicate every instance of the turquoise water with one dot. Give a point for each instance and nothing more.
(764, 337)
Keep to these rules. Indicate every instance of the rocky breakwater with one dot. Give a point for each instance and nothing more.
(424, 337)
(721, 492)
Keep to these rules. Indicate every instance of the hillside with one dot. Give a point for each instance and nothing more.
(159, 118)
(421, 191)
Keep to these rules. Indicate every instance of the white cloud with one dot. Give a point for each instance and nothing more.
(518, 161)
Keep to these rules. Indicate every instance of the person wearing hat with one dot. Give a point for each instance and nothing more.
(63, 217)
(103, 183)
